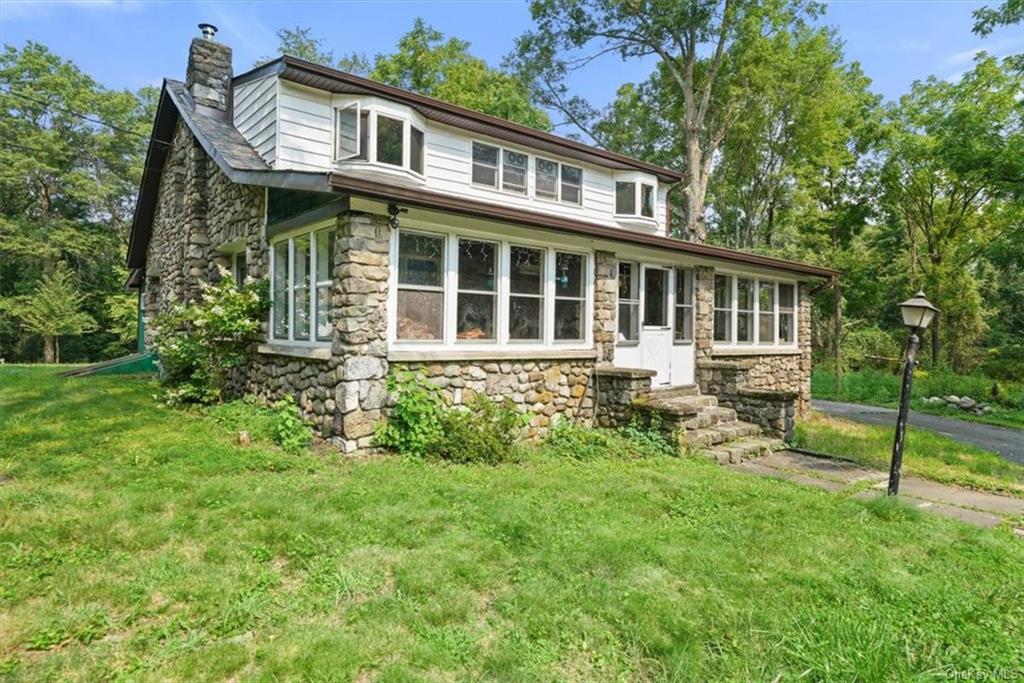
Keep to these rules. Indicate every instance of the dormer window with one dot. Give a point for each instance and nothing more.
(629, 196)
(513, 171)
(557, 182)
(395, 141)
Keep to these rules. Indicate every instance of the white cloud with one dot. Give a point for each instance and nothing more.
(998, 48)
(913, 46)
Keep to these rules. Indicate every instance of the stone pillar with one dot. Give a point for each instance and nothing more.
(704, 322)
(361, 253)
(606, 294)
(803, 340)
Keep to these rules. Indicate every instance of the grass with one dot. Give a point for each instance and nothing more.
(141, 543)
(875, 387)
(925, 454)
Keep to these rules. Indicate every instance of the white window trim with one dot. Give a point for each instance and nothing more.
(635, 274)
(289, 238)
(755, 346)
(690, 306)
(558, 198)
(506, 301)
(371, 139)
(337, 132)
(637, 216)
(502, 342)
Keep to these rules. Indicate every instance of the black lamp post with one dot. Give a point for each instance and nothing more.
(918, 313)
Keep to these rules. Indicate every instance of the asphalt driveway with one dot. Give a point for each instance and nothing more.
(1008, 443)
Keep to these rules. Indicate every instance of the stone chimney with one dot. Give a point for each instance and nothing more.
(208, 76)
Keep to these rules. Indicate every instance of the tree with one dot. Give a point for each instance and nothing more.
(70, 158)
(945, 189)
(428, 63)
(55, 309)
(710, 90)
(986, 19)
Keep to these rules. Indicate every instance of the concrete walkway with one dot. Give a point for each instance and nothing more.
(1008, 443)
(973, 507)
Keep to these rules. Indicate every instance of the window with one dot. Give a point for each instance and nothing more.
(390, 140)
(765, 312)
(324, 282)
(238, 267)
(513, 171)
(485, 165)
(477, 306)
(629, 302)
(723, 308)
(416, 150)
(364, 136)
(302, 276)
(346, 126)
(420, 310)
(655, 297)
(647, 200)
(684, 305)
(570, 296)
(787, 313)
(744, 310)
(546, 179)
(625, 198)
(572, 184)
(526, 294)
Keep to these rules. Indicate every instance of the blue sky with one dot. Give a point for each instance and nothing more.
(128, 44)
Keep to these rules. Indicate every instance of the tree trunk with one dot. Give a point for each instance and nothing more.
(936, 344)
(56, 349)
(696, 188)
(836, 337)
(49, 349)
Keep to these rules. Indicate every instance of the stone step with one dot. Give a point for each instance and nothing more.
(698, 421)
(697, 401)
(744, 449)
(675, 391)
(718, 414)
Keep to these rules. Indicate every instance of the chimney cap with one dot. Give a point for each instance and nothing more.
(209, 30)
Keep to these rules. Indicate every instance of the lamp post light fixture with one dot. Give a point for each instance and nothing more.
(917, 313)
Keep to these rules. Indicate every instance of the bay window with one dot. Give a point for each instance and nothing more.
(684, 305)
(397, 142)
(456, 290)
(477, 304)
(390, 140)
(346, 125)
(421, 275)
(625, 198)
(633, 198)
(302, 276)
(629, 302)
(416, 150)
(754, 311)
(526, 294)
(647, 200)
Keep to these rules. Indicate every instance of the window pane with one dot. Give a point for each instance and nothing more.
(485, 165)
(723, 291)
(281, 290)
(568, 319)
(526, 274)
(684, 287)
(785, 296)
(628, 288)
(625, 198)
(744, 327)
(568, 274)
(348, 132)
(475, 316)
(629, 322)
(524, 317)
(766, 328)
(476, 265)
(766, 296)
(364, 135)
(786, 327)
(420, 314)
(723, 326)
(324, 278)
(513, 171)
(655, 297)
(300, 288)
(766, 318)
(684, 323)
(744, 294)
(390, 136)
(572, 182)
(420, 260)
(416, 150)
(647, 200)
(546, 179)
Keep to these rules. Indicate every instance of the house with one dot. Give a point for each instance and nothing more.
(399, 231)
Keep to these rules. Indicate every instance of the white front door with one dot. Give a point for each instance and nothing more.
(656, 327)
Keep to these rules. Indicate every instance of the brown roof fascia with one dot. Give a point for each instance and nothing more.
(469, 207)
(278, 66)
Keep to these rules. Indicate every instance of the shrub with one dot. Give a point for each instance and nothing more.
(422, 424)
(578, 442)
(862, 343)
(290, 431)
(198, 344)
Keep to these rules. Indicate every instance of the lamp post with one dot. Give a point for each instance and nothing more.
(917, 313)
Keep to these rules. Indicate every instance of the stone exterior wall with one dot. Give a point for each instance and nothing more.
(616, 391)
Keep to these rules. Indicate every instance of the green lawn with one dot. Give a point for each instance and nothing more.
(875, 387)
(140, 543)
(925, 454)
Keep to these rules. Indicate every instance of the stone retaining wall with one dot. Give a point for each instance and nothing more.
(616, 390)
(772, 409)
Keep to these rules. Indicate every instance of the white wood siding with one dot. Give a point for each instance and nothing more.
(255, 116)
(304, 142)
